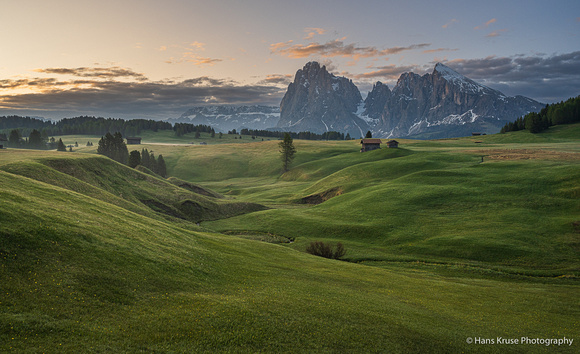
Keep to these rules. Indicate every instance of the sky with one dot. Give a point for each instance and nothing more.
(156, 59)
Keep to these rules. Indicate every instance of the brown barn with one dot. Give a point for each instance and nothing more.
(133, 141)
(392, 144)
(370, 144)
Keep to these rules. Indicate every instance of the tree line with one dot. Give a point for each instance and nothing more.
(90, 125)
(331, 135)
(35, 140)
(555, 114)
(83, 125)
(185, 128)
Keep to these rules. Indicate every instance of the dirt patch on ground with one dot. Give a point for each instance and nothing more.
(526, 154)
(321, 197)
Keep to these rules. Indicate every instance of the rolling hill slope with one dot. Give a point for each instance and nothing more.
(87, 266)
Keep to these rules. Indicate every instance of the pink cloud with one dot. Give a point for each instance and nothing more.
(485, 25)
(312, 31)
(336, 48)
(496, 33)
(450, 23)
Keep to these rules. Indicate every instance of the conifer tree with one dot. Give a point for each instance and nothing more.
(152, 163)
(35, 140)
(14, 138)
(145, 158)
(134, 159)
(114, 147)
(287, 151)
(60, 146)
(161, 167)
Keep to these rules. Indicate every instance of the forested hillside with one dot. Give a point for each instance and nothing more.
(555, 114)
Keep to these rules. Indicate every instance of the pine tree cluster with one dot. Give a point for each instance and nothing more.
(147, 159)
(555, 114)
(114, 147)
(184, 128)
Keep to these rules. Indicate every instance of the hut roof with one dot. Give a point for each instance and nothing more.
(370, 141)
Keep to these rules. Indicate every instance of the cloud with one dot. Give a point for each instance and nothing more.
(336, 48)
(197, 60)
(496, 33)
(312, 31)
(541, 77)
(387, 73)
(485, 25)
(104, 73)
(439, 50)
(198, 45)
(194, 59)
(276, 79)
(189, 55)
(207, 81)
(54, 98)
(450, 23)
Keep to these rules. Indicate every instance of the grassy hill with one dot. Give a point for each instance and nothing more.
(429, 201)
(440, 248)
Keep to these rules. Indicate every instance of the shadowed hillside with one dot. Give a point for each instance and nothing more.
(145, 194)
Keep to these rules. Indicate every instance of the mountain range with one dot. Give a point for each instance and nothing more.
(225, 118)
(440, 104)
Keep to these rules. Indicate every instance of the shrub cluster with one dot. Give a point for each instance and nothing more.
(322, 249)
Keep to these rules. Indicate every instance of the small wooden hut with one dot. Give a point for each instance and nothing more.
(133, 141)
(370, 144)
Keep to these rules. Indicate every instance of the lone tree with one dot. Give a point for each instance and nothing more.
(60, 146)
(287, 151)
(368, 135)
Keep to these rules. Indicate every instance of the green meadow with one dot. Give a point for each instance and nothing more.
(448, 241)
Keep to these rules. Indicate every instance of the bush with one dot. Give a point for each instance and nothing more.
(322, 249)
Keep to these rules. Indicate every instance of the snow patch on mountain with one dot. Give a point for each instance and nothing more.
(463, 82)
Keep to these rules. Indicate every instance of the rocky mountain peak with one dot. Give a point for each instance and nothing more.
(313, 66)
(319, 101)
(463, 83)
(441, 104)
(447, 72)
(376, 100)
